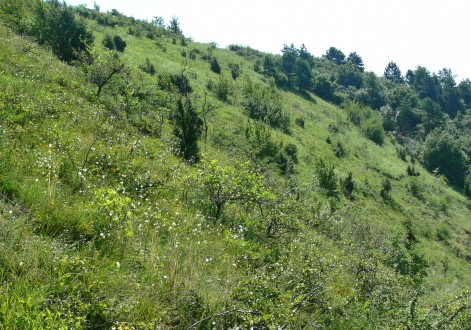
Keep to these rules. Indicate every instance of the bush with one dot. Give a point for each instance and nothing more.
(215, 67)
(369, 121)
(235, 71)
(373, 129)
(119, 43)
(348, 186)
(386, 189)
(222, 88)
(57, 26)
(108, 42)
(441, 151)
(148, 67)
(187, 128)
(299, 122)
(326, 176)
(416, 188)
(265, 103)
(467, 186)
(443, 234)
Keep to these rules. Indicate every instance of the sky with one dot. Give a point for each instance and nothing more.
(430, 33)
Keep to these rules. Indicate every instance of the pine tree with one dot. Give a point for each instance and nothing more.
(393, 73)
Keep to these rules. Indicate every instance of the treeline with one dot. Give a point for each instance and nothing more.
(429, 114)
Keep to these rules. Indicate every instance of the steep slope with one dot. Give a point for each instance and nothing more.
(103, 224)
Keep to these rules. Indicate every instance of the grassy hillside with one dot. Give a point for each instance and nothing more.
(104, 225)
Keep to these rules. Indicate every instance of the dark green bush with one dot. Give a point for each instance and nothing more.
(326, 176)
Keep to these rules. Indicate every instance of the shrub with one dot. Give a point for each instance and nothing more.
(299, 122)
(348, 186)
(222, 88)
(119, 43)
(373, 129)
(467, 186)
(339, 149)
(326, 176)
(108, 42)
(187, 128)
(148, 67)
(401, 153)
(56, 25)
(441, 151)
(443, 234)
(235, 71)
(215, 67)
(415, 188)
(369, 121)
(265, 103)
(386, 189)
(411, 171)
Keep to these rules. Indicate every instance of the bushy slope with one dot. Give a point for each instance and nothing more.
(103, 225)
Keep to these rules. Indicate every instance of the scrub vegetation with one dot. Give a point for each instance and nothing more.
(148, 181)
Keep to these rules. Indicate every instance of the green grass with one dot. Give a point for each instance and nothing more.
(149, 255)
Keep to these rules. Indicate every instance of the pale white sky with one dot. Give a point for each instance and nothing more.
(431, 33)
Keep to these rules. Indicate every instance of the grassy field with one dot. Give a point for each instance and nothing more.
(102, 225)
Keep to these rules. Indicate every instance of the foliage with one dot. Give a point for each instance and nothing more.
(230, 184)
(215, 67)
(114, 43)
(386, 188)
(370, 122)
(326, 176)
(56, 25)
(348, 186)
(235, 70)
(101, 66)
(174, 26)
(356, 60)
(335, 55)
(222, 88)
(393, 73)
(442, 152)
(148, 67)
(187, 128)
(102, 226)
(265, 103)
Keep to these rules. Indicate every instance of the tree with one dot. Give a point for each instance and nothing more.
(56, 25)
(441, 151)
(101, 66)
(288, 61)
(16, 14)
(424, 83)
(229, 184)
(433, 115)
(174, 26)
(464, 89)
(187, 128)
(324, 88)
(349, 75)
(450, 96)
(335, 55)
(303, 74)
(158, 21)
(372, 92)
(304, 54)
(393, 73)
(356, 60)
